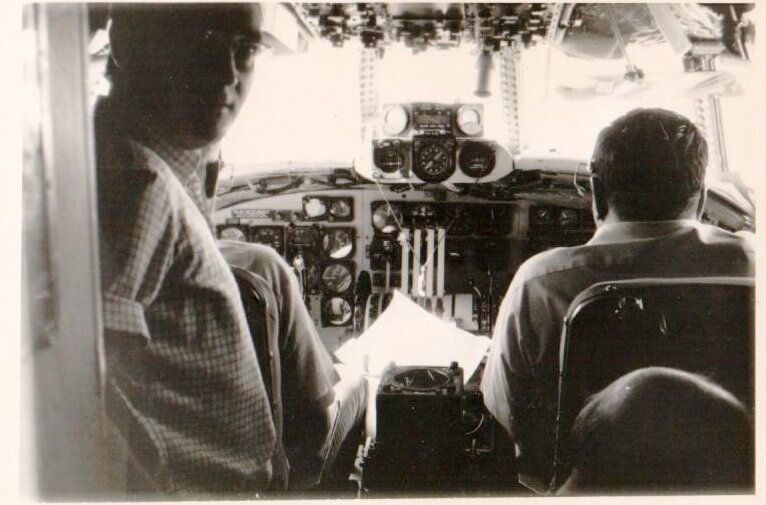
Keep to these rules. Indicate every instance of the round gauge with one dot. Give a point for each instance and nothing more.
(388, 157)
(314, 207)
(542, 216)
(469, 120)
(340, 209)
(476, 159)
(568, 218)
(434, 162)
(337, 278)
(385, 218)
(336, 311)
(338, 243)
(395, 120)
(233, 233)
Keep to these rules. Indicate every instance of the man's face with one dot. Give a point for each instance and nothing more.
(210, 57)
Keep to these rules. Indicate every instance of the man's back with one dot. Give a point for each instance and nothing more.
(521, 373)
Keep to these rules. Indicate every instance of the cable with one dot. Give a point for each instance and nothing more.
(406, 242)
(582, 192)
(398, 224)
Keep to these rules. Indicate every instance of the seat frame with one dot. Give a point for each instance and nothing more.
(630, 295)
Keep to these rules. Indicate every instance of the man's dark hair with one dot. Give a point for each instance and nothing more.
(662, 430)
(651, 162)
(137, 33)
(143, 39)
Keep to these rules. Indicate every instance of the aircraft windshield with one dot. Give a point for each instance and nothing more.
(305, 109)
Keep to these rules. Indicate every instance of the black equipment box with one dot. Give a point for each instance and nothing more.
(434, 437)
(420, 436)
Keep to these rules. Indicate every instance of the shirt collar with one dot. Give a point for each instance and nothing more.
(183, 162)
(145, 128)
(632, 230)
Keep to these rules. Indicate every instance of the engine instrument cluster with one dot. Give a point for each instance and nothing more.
(456, 218)
(431, 248)
(432, 142)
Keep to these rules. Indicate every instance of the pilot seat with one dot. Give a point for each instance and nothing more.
(700, 325)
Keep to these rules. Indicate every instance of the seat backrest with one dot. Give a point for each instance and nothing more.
(260, 306)
(701, 325)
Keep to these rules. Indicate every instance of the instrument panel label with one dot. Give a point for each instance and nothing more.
(251, 213)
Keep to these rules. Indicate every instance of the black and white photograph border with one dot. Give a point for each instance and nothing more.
(62, 442)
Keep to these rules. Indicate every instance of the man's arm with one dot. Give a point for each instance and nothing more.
(308, 374)
(138, 244)
(507, 375)
(514, 383)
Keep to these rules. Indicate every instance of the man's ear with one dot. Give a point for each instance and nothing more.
(600, 205)
(701, 202)
(135, 40)
(117, 51)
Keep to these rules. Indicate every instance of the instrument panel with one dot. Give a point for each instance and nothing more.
(432, 142)
(457, 218)
(551, 226)
(351, 248)
(318, 208)
(315, 234)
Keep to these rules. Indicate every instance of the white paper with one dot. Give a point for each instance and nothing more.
(408, 335)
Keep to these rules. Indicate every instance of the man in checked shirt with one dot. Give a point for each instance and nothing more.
(184, 386)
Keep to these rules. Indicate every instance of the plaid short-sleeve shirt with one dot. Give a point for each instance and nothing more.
(184, 383)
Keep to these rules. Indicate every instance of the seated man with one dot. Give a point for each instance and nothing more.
(648, 173)
(313, 409)
(661, 430)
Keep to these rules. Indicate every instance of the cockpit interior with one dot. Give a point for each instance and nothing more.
(395, 155)
(431, 185)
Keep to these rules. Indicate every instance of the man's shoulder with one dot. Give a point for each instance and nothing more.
(118, 148)
(127, 169)
(250, 256)
(128, 154)
(713, 235)
(552, 261)
(707, 241)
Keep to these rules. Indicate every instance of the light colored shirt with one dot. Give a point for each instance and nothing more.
(520, 379)
(184, 385)
(307, 372)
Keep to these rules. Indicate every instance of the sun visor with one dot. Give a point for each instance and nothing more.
(594, 30)
(284, 30)
(590, 45)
